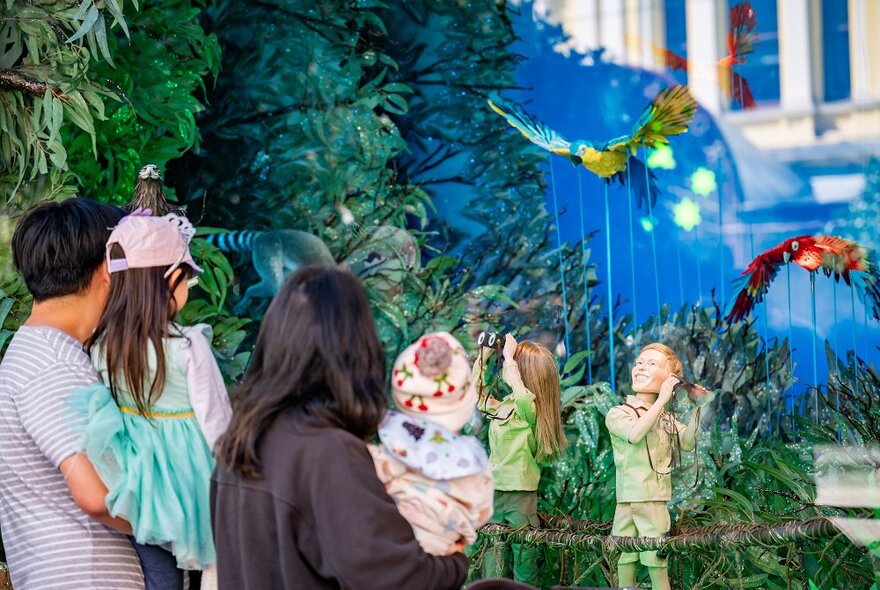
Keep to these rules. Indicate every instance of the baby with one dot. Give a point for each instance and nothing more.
(439, 479)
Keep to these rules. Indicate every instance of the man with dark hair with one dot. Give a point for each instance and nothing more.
(52, 509)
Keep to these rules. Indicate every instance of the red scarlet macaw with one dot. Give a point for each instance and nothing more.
(740, 42)
(833, 254)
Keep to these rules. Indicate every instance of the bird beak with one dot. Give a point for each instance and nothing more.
(786, 256)
(576, 160)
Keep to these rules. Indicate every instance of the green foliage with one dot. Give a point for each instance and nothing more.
(48, 80)
(744, 471)
(453, 54)
(93, 92)
(158, 76)
(304, 132)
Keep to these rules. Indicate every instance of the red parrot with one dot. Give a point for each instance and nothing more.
(833, 254)
(740, 42)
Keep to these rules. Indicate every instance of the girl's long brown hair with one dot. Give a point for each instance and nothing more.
(318, 356)
(538, 370)
(138, 314)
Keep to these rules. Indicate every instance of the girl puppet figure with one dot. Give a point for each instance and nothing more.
(525, 432)
(643, 435)
(162, 405)
(440, 480)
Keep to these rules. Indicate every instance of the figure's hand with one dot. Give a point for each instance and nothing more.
(458, 546)
(666, 389)
(509, 347)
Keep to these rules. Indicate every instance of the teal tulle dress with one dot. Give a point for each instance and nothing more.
(158, 467)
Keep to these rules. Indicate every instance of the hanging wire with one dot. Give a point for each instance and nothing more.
(561, 261)
(587, 320)
(699, 270)
(815, 351)
(680, 277)
(632, 251)
(852, 300)
(610, 291)
(720, 240)
(836, 349)
(766, 341)
(790, 346)
(653, 242)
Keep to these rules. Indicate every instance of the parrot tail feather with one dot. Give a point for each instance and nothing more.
(740, 306)
(642, 180)
(867, 285)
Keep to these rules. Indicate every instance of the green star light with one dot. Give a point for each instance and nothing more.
(703, 182)
(662, 157)
(686, 214)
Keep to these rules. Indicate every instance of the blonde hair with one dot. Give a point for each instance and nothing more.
(673, 365)
(537, 367)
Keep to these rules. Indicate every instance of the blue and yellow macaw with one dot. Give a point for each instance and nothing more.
(670, 113)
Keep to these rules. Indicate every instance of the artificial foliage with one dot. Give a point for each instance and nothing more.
(159, 74)
(347, 131)
(753, 467)
(352, 120)
(88, 93)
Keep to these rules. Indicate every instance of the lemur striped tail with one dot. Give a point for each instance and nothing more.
(233, 241)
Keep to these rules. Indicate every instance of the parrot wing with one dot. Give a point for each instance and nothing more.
(670, 59)
(534, 130)
(670, 113)
(841, 256)
(740, 91)
(754, 284)
(740, 38)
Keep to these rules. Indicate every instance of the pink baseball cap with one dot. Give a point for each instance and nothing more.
(149, 242)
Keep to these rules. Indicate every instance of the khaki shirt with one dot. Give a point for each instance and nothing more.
(512, 444)
(637, 481)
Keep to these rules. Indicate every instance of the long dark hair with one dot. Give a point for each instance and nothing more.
(318, 355)
(139, 310)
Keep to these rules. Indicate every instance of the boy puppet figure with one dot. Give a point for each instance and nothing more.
(642, 435)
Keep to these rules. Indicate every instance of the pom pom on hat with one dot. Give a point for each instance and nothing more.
(431, 379)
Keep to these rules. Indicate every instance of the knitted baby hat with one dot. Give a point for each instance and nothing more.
(432, 380)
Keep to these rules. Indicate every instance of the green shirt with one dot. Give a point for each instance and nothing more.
(636, 479)
(512, 444)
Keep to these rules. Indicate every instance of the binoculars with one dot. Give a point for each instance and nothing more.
(492, 340)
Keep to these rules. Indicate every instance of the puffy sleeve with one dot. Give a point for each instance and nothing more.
(207, 391)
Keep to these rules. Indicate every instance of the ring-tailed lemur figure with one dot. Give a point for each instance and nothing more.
(275, 255)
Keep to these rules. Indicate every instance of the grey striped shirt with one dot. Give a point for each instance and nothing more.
(50, 544)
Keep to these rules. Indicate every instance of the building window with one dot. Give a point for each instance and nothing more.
(761, 70)
(676, 39)
(835, 50)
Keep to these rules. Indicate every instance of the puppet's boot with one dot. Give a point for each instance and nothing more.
(659, 578)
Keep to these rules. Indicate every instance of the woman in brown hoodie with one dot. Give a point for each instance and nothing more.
(296, 502)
